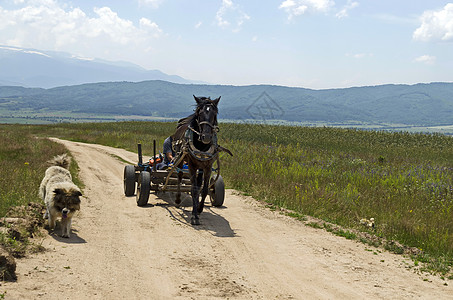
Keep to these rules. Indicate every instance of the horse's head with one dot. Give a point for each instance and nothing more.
(206, 114)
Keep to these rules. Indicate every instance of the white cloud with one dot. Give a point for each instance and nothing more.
(436, 25)
(45, 24)
(198, 25)
(150, 27)
(344, 12)
(231, 15)
(426, 59)
(296, 8)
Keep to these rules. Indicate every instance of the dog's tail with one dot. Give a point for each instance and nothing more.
(61, 160)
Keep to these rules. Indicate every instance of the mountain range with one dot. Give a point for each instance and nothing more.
(36, 84)
(48, 69)
(420, 104)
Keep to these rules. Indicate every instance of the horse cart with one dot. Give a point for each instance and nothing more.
(172, 179)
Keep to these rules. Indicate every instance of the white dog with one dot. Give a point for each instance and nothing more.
(60, 194)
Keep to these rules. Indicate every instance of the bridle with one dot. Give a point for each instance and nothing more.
(214, 127)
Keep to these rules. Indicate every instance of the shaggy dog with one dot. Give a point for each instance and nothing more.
(60, 194)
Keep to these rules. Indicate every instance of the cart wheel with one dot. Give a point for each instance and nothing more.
(219, 192)
(129, 180)
(143, 188)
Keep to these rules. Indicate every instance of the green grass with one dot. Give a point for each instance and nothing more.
(404, 181)
(22, 165)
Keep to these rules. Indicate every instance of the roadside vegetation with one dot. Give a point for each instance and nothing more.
(22, 165)
(404, 181)
(23, 161)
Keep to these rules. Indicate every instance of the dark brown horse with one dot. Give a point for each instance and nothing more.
(198, 133)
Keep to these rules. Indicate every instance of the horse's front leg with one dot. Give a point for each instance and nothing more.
(205, 190)
(195, 190)
(178, 192)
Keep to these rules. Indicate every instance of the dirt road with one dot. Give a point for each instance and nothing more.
(241, 251)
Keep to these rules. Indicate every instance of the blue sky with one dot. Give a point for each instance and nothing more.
(306, 43)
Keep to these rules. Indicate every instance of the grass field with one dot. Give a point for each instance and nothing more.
(404, 181)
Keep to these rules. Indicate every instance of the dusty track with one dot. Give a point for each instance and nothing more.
(243, 251)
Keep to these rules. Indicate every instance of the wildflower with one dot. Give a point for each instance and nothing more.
(27, 163)
(368, 223)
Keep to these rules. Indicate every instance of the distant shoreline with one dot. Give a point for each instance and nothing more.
(54, 118)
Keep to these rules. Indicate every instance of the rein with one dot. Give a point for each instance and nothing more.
(191, 128)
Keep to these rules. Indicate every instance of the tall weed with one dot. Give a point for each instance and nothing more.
(22, 165)
(404, 181)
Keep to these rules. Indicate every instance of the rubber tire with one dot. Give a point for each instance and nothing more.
(143, 188)
(129, 180)
(219, 192)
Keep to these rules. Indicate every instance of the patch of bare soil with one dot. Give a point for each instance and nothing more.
(241, 251)
(17, 228)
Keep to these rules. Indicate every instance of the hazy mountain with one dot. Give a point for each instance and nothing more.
(420, 104)
(47, 69)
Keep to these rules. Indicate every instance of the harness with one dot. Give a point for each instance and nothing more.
(185, 147)
(211, 153)
(183, 141)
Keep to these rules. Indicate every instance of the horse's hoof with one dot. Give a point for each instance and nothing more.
(195, 221)
(178, 202)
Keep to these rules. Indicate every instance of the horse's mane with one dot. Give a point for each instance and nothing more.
(182, 126)
(184, 123)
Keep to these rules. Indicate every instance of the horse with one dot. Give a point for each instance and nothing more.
(197, 135)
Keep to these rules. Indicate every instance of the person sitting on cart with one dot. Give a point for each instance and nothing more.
(168, 154)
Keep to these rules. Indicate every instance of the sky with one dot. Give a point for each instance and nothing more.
(314, 44)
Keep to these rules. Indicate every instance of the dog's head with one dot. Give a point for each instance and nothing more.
(67, 201)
